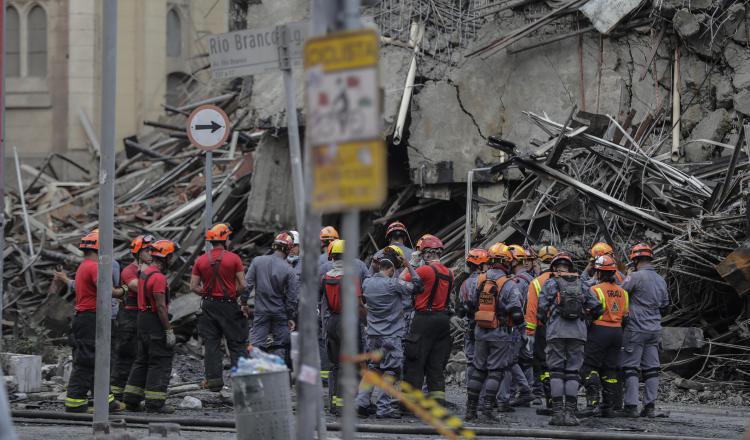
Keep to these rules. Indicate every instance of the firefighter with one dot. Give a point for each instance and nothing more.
(386, 296)
(218, 276)
(519, 377)
(127, 318)
(597, 250)
(152, 368)
(396, 234)
(331, 289)
(83, 333)
(564, 307)
(476, 263)
(428, 342)
(649, 301)
(604, 340)
(293, 259)
(327, 235)
(536, 341)
(276, 295)
(497, 314)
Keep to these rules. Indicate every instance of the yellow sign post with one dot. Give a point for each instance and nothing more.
(344, 121)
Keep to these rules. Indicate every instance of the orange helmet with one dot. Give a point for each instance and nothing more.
(429, 242)
(547, 253)
(141, 242)
(162, 248)
(499, 251)
(284, 240)
(519, 253)
(562, 256)
(90, 240)
(605, 263)
(329, 233)
(641, 250)
(600, 249)
(219, 232)
(478, 257)
(395, 227)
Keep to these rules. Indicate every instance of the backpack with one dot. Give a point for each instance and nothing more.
(569, 296)
(489, 292)
(332, 290)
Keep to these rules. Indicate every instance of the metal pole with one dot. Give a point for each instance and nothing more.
(23, 202)
(469, 198)
(292, 126)
(106, 213)
(209, 173)
(310, 395)
(2, 160)
(350, 318)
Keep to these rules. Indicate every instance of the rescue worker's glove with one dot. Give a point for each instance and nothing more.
(171, 338)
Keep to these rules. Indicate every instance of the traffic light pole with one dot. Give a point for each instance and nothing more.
(106, 214)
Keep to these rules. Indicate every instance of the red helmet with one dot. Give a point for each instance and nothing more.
(429, 242)
(162, 248)
(328, 234)
(219, 232)
(562, 256)
(90, 240)
(395, 227)
(478, 257)
(605, 263)
(641, 250)
(141, 242)
(284, 240)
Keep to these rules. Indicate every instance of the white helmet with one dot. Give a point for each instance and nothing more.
(295, 237)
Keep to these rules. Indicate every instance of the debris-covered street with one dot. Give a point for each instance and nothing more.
(375, 219)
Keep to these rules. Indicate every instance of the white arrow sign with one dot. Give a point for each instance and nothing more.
(208, 127)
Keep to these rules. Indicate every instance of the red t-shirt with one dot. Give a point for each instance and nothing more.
(86, 286)
(150, 285)
(127, 275)
(427, 274)
(230, 265)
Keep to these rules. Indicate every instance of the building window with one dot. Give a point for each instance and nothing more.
(37, 42)
(13, 44)
(174, 34)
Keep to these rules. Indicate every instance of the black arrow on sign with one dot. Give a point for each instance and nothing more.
(213, 127)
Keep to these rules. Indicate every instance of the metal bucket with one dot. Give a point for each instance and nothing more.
(263, 406)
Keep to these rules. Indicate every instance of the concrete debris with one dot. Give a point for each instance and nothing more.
(189, 402)
(741, 102)
(605, 14)
(714, 126)
(685, 23)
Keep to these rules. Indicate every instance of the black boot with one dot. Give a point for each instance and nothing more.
(650, 411)
(523, 400)
(629, 412)
(505, 407)
(472, 402)
(487, 412)
(558, 418)
(571, 406)
(547, 410)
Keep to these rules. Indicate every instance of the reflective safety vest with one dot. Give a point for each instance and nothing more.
(488, 296)
(615, 302)
(532, 301)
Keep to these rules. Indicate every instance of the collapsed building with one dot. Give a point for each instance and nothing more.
(561, 122)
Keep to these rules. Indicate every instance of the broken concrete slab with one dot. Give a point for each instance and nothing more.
(685, 23)
(741, 102)
(26, 368)
(680, 338)
(738, 59)
(605, 14)
(270, 205)
(724, 92)
(713, 127)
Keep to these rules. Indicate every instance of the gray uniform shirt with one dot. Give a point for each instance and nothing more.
(276, 286)
(508, 298)
(385, 299)
(558, 327)
(648, 293)
(361, 267)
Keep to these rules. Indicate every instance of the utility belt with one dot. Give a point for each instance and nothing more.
(220, 300)
(86, 312)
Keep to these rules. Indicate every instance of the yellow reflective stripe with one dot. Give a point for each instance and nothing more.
(132, 389)
(530, 326)
(627, 300)
(324, 374)
(537, 286)
(437, 394)
(603, 300)
(75, 403)
(110, 398)
(544, 375)
(611, 380)
(156, 395)
(115, 389)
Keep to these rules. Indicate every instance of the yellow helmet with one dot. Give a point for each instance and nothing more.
(336, 247)
(600, 249)
(395, 249)
(547, 253)
(519, 253)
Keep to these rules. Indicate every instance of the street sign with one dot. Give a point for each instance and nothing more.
(344, 121)
(252, 51)
(208, 127)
